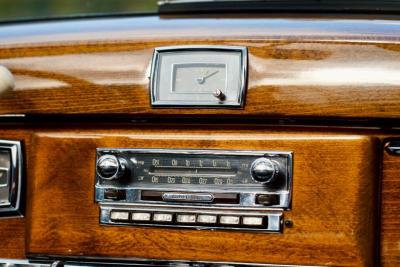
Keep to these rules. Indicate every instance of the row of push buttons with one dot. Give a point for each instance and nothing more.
(188, 218)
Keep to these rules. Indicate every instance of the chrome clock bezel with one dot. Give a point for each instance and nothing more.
(238, 103)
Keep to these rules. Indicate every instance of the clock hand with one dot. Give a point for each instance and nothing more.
(202, 79)
(211, 74)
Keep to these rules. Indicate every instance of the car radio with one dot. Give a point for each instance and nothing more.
(203, 189)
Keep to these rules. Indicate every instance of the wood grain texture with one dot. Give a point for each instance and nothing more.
(390, 211)
(12, 236)
(298, 67)
(333, 206)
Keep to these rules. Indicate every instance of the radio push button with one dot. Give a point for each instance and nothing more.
(119, 216)
(267, 199)
(264, 170)
(252, 221)
(229, 219)
(114, 194)
(206, 219)
(141, 216)
(162, 217)
(186, 218)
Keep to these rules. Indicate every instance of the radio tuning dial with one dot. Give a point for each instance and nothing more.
(264, 170)
(110, 167)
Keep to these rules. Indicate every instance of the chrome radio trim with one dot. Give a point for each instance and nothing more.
(247, 199)
(14, 187)
(274, 216)
(215, 48)
(188, 197)
(126, 198)
(198, 151)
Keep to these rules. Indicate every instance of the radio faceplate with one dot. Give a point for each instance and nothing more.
(145, 182)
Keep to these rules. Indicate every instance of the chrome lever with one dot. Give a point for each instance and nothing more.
(7, 81)
(393, 147)
(57, 264)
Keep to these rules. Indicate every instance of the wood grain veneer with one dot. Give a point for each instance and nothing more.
(321, 67)
(390, 211)
(12, 236)
(333, 207)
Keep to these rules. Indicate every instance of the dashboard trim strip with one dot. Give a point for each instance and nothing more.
(91, 262)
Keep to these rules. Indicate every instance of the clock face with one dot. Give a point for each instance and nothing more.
(203, 78)
(198, 76)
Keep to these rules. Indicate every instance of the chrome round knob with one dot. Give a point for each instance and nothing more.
(109, 167)
(219, 94)
(264, 170)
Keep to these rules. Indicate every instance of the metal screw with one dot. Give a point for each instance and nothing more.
(289, 223)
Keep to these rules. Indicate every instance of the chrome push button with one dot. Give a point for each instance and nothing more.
(186, 218)
(141, 216)
(252, 221)
(119, 216)
(206, 219)
(162, 217)
(229, 220)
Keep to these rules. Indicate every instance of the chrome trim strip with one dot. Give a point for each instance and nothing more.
(104, 262)
(188, 197)
(276, 153)
(12, 115)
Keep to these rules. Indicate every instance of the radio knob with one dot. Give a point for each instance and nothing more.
(109, 167)
(264, 170)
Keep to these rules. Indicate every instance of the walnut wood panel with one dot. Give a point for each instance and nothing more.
(12, 236)
(333, 207)
(390, 214)
(322, 67)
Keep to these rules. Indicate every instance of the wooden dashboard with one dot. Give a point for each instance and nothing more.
(297, 68)
(325, 88)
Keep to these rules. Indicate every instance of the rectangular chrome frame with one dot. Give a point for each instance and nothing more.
(175, 104)
(16, 179)
(275, 217)
(246, 197)
(247, 205)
